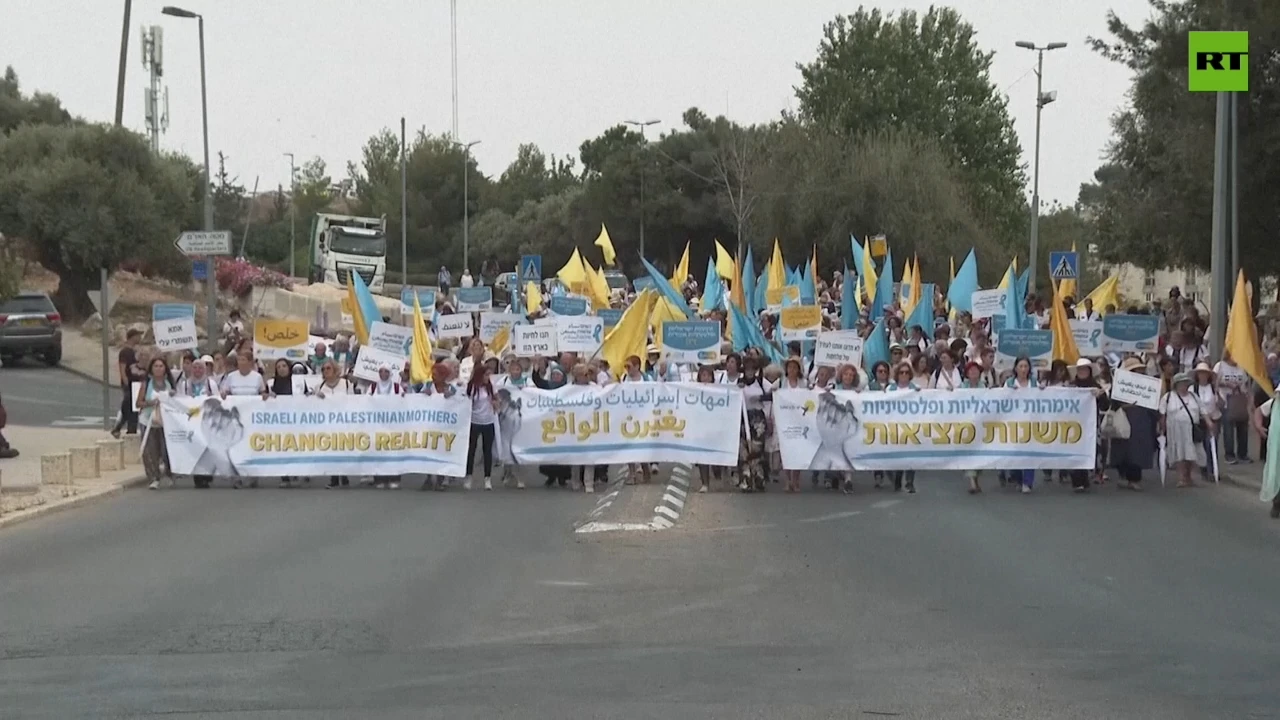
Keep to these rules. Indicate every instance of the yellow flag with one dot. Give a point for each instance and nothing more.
(500, 341)
(777, 278)
(868, 267)
(917, 287)
(813, 267)
(663, 310)
(724, 262)
(572, 274)
(1064, 341)
(1010, 273)
(681, 274)
(1107, 293)
(1242, 337)
(904, 287)
(630, 336)
(597, 287)
(1067, 288)
(606, 246)
(532, 298)
(737, 295)
(420, 360)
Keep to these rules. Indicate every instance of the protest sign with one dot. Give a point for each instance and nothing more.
(491, 323)
(800, 322)
(579, 333)
(1131, 387)
(276, 339)
(534, 340)
(1130, 333)
(838, 347)
(1037, 345)
(997, 429)
(474, 299)
(176, 334)
(457, 325)
(987, 303)
(691, 341)
(1088, 335)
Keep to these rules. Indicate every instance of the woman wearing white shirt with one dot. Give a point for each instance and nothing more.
(753, 467)
(245, 379)
(792, 379)
(947, 376)
(332, 384)
(1235, 392)
(1182, 419)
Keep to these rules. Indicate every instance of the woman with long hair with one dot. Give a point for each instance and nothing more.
(588, 475)
(904, 379)
(282, 385)
(849, 380)
(792, 378)
(159, 382)
(706, 375)
(332, 384)
(632, 374)
(1023, 379)
(753, 467)
(484, 418)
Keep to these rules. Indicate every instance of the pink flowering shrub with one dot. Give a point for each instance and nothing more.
(240, 276)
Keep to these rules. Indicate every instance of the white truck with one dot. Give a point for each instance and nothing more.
(343, 244)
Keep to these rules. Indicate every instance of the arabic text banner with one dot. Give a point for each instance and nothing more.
(622, 423)
(1051, 429)
(343, 435)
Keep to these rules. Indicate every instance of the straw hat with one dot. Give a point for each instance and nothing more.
(1084, 362)
(1203, 367)
(1133, 364)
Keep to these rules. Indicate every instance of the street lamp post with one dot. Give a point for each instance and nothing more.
(211, 283)
(642, 124)
(293, 194)
(466, 202)
(1042, 99)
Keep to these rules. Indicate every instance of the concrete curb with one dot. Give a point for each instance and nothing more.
(611, 491)
(79, 373)
(94, 495)
(1242, 483)
(668, 510)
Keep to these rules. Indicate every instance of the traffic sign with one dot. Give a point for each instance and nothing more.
(530, 269)
(213, 242)
(200, 269)
(1064, 265)
(172, 311)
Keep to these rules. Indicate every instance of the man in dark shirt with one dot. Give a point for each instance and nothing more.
(125, 364)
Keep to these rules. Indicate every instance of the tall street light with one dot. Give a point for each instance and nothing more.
(466, 202)
(1042, 99)
(104, 306)
(211, 283)
(642, 124)
(293, 194)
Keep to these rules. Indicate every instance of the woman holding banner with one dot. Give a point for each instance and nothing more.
(975, 379)
(706, 375)
(442, 374)
(848, 380)
(551, 376)
(1133, 451)
(792, 379)
(904, 380)
(632, 374)
(332, 384)
(158, 384)
(1022, 379)
(753, 468)
(588, 475)
(484, 418)
(879, 382)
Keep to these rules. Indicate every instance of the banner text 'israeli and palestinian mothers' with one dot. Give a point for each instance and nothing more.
(1054, 429)
(310, 436)
(623, 423)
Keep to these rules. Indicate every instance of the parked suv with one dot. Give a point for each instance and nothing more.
(30, 325)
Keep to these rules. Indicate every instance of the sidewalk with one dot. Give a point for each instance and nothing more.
(1247, 476)
(22, 496)
(82, 356)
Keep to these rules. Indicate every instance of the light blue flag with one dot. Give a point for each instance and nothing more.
(922, 313)
(848, 301)
(876, 347)
(857, 255)
(1024, 280)
(749, 284)
(884, 287)
(747, 334)
(762, 290)
(808, 288)
(960, 294)
(663, 286)
(1016, 306)
(712, 289)
(366, 310)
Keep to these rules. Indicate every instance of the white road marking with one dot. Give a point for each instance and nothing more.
(664, 510)
(669, 498)
(833, 516)
(677, 491)
(885, 504)
(565, 583)
(79, 421)
(596, 527)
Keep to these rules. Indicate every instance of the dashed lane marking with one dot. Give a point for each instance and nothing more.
(832, 516)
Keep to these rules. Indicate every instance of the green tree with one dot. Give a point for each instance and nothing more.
(531, 177)
(38, 109)
(926, 74)
(90, 196)
(1153, 201)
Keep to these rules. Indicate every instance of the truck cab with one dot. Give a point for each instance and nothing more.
(343, 244)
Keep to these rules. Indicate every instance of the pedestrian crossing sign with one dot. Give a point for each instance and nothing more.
(1064, 265)
(530, 269)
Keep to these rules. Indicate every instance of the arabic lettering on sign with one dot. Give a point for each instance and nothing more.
(457, 325)
(369, 359)
(492, 323)
(276, 339)
(390, 338)
(1131, 387)
(800, 322)
(562, 425)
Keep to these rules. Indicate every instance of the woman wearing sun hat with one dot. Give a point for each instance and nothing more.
(1204, 383)
(1184, 424)
(1132, 455)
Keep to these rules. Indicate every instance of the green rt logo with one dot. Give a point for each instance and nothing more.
(1218, 61)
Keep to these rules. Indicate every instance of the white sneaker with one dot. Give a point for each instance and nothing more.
(1026, 490)
(488, 484)
(591, 487)
(155, 485)
(702, 489)
(519, 484)
(466, 484)
(395, 485)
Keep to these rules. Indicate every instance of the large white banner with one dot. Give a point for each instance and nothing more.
(622, 423)
(1051, 429)
(342, 435)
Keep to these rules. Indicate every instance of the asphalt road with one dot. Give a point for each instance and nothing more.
(360, 604)
(38, 395)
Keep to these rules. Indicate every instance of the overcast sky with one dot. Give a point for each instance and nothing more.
(319, 77)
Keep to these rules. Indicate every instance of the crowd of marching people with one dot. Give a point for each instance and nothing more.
(1201, 403)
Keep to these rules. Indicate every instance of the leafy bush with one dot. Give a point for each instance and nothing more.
(240, 276)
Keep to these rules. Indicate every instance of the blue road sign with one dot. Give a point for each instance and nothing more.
(172, 311)
(1064, 265)
(200, 269)
(530, 269)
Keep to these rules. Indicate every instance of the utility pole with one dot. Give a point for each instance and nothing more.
(642, 124)
(404, 212)
(1042, 99)
(1221, 226)
(157, 117)
(293, 194)
(466, 202)
(453, 50)
(104, 304)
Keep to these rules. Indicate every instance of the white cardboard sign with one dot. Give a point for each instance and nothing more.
(534, 340)
(391, 338)
(1132, 387)
(987, 303)
(491, 323)
(370, 358)
(579, 333)
(836, 348)
(176, 334)
(457, 325)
